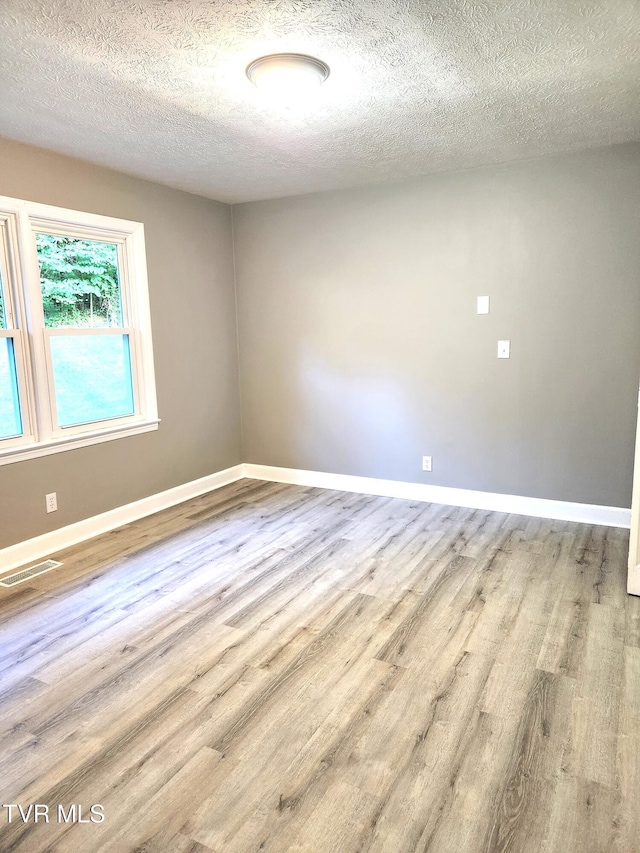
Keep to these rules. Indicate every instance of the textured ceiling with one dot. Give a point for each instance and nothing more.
(157, 88)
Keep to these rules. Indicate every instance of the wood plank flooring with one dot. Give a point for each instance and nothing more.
(277, 668)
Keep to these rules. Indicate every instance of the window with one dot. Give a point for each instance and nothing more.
(76, 361)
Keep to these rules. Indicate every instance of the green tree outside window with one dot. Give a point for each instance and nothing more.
(79, 281)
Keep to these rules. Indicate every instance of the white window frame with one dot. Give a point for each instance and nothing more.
(19, 222)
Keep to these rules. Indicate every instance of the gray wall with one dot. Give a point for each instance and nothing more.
(361, 349)
(190, 264)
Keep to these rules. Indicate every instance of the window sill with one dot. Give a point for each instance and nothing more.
(86, 439)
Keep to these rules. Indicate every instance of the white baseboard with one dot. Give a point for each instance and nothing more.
(49, 543)
(608, 516)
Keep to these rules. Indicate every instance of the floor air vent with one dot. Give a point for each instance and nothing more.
(32, 572)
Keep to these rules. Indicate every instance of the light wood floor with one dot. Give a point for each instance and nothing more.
(274, 668)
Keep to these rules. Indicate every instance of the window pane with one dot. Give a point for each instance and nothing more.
(10, 419)
(80, 282)
(92, 375)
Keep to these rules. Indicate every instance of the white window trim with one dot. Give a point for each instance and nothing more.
(21, 272)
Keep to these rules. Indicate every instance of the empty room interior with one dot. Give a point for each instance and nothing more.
(319, 381)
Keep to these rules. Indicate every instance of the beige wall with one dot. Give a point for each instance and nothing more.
(190, 264)
(361, 349)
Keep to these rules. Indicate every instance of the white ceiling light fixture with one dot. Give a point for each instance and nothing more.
(287, 74)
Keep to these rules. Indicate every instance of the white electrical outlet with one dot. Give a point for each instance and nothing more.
(51, 502)
(504, 349)
(426, 463)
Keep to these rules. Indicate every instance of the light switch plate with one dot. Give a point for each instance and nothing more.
(504, 349)
(483, 305)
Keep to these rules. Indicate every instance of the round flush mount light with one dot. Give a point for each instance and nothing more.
(287, 73)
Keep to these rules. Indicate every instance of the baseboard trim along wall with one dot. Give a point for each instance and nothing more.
(49, 543)
(609, 516)
(35, 549)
